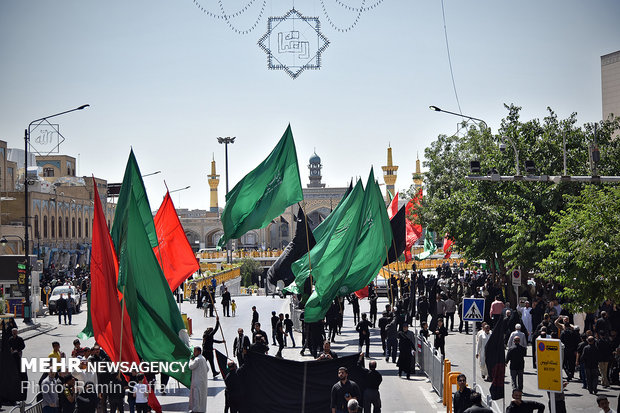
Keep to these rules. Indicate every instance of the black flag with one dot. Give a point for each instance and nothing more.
(398, 233)
(495, 359)
(281, 269)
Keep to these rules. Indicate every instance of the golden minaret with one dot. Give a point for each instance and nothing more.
(389, 175)
(214, 181)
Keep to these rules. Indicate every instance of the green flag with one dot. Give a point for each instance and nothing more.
(264, 193)
(429, 246)
(87, 332)
(155, 319)
(375, 238)
(332, 255)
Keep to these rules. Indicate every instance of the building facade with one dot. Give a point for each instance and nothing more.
(610, 84)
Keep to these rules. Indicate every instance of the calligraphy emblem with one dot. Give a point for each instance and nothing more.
(293, 43)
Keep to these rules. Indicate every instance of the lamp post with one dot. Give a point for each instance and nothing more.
(226, 141)
(502, 146)
(27, 304)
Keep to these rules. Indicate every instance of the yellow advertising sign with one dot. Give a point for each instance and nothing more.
(549, 364)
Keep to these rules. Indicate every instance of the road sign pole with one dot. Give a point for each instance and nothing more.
(474, 334)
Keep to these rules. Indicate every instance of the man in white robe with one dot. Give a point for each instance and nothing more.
(526, 316)
(198, 390)
(481, 341)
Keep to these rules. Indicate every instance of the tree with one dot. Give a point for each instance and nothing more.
(250, 269)
(585, 248)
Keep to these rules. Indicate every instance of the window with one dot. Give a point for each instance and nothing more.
(53, 227)
(44, 226)
(86, 228)
(48, 171)
(36, 226)
(73, 227)
(59, 227)
(66, 227)
(79, 227)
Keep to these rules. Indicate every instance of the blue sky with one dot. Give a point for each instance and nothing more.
(167, 79)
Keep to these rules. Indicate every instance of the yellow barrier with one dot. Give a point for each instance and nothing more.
(447, 366)
(220, 278)
(452, 376)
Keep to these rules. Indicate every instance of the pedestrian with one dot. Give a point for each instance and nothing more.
(280, 334)
(497, 307)
(17, 345)
(383, 322)
(373, 379)
(226, 302)
(234, 393)
(516, 357)
(391, 331)
(476, 404)
(116, 393)
(372, 299)
(581, 366)
(233, 307)
(254, 318)
(343, 391)
(590, 358)
(274, 323)
(526, 316)
(605, 354)
(603, 403)
(49, 393)
(353, 406)
(461, 400)
(518, 405)
(424, 331)
(86, 401)
(440, 337)
(200, 386)
(66, 399)
(241, 346)
(56, 353)
(423, 308)
(207, 344)
(363, 330)
(259, 333)
(517, 333)
(355, 304)
(70, 307)
(327, 353)
(288, 329)
(450, 310)
(406, 347)
(481, 341)
(61, 308)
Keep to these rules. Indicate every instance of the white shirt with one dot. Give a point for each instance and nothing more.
(141, 393)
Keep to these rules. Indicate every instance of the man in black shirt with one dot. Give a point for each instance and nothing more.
(343, 391)
(241, 346)
(383, 322)
(363, 329)
(462, 397)
(373, 379)
(261, 333)
(254, 318)
(516, 357)
(519, 406)
(476, 407)
(288, 329)
(234, 393)
(590, 357)
(274, 322)
(327, 353)
(280, 334)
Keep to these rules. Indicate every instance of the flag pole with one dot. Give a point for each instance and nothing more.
(307, 242)
(387, 280)
(120, 350)
(218, 316)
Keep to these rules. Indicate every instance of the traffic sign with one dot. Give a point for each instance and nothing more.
(516, 277)
(549, 364)
(473, 309)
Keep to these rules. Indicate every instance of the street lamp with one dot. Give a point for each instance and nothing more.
(27, 304)
(226, 141)
(436, 109)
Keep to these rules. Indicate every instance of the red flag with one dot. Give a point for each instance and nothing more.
(393, 207)
(175, 255)
(104, 297)
(447, 246)
(414, 231)
(363, 293)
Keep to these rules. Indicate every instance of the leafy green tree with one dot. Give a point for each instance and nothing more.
(585, 248)
(249, 269)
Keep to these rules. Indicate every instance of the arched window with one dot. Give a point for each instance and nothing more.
(66, 227)
(36, 226)
(73, 227)
(44, 226)
(53, 227)
(59, 227)
(86, 228)
(79, 227)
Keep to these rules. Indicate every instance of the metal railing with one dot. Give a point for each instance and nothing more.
(28, 407)
(431, 364)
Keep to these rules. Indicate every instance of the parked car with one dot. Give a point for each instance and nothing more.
(381, 287)
(64, 290)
